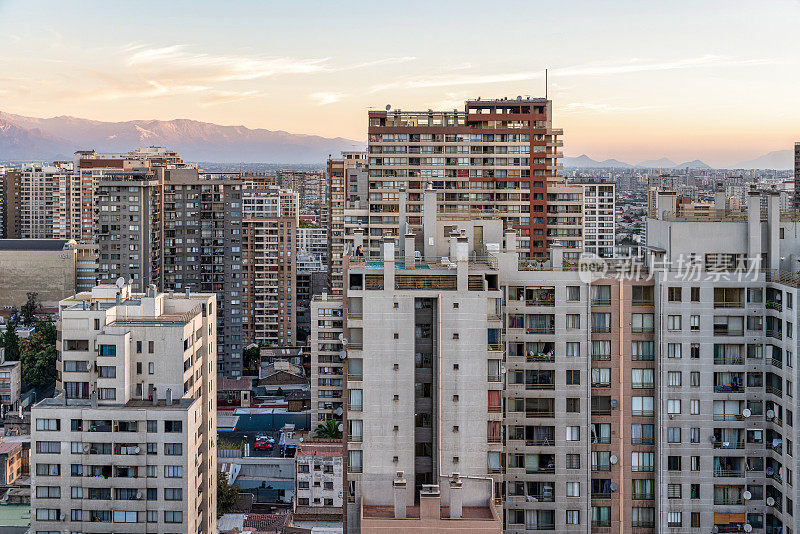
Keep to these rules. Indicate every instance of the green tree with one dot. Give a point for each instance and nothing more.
(11, 342)
(38, 355)
(328, 430)
(30, 309)
(227, 494)
(252, 357)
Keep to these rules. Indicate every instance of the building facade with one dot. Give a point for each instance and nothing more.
(128, 443)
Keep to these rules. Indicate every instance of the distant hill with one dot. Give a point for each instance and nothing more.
(777, 159)
(586, 162)
(694, 164)
(31, 138)
(661, 163)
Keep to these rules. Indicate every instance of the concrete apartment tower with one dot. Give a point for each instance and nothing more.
(128, 443)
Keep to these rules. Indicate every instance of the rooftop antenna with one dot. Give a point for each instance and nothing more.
(545, 84)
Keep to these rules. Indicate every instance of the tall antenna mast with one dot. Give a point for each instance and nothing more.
(545, 84)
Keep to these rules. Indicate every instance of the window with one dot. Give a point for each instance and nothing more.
(642, 461)
(642, 434)
(642, 378)
(694, 378)
(642, 322)
(573, 517)
(573, 349)
(48, 492)
(173, 449)
(173, 471)
(48, 424)
(573, 405)
(573, 489)
(642, 406)
(673, 491)
(642, 350)
(48, 447)
(151, 367)
(173, 426)
(674, 378)
(601, 377)
(694, 463)
(673, 406)
(674, 519)
(151, 348)
(47, 514)
(573, 293)
(694, 351)
(673, 350)
(674, 463)
(573, 433)
(172, 517)
(573, 377)
(694, 491)
(695, 294)
(52, 470)
(694, 407)
(694, 322)
(573, 461)
(173, 494)
(673, 434)
(674, 294)
(573, 320)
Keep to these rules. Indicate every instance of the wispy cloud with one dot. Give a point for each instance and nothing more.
(178, 60)
(381, 62)
(324, 98)
(600, 108)
(596, 69)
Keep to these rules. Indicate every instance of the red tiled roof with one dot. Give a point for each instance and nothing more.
(244, 383)
(265, 521)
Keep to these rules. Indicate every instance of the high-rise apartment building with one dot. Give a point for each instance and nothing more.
(327, 362)
(11, 179)
(496, 156)
(179, 230)
(653, 397)
(797, 175)
(347, 185)
(128, 444)
(40, 206)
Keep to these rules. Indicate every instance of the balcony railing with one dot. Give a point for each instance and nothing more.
(642, 302)
(601, 467)
(728, 304)
(642, 385)
(495, 409)
(541, 357)
(729, 444)
(727, 417)
(774, 391)
(777, 334)
(728, 501)
(642, 329)
(597, 329)
(601, 522)
(355, 407)
(643, 524)
(645, 413)
(543, 497)
(494, 346)
(776, 363)
(601, 357)
(727, 332)
(600, 495)
(729, 472)
(642, 468)
(540, 413)
(601, 384)
(355, 376)
(642, 357)
(773, 305)
(540, 330)
(728, 388)
(540, 386)
(601, 302)
(728, 360)
(540, 442)
(493, 439)
(601, 411)
(641, 441)
(644, 497)
(355, 439)
(493, 378)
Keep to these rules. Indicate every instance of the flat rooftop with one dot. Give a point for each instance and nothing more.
(58, 402)
(40, 245)
(412, 512)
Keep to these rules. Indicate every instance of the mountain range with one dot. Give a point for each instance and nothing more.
(28, 138)
(778, 159)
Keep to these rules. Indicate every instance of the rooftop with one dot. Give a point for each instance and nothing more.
(412, 512)
(242, 383)
(40, 245)
(161, 404)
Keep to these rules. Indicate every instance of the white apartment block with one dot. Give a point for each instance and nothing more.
(319, 477)
(327, 365)
(127, 445)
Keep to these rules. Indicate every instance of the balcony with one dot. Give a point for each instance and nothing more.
(729, 473)
(642, 358)
(355, 376)
(775, 391)
(601, 522)
(547, 357)
(600, 329)
(728, 444)
(643, 524)
(728, 304)
(644, 497)
(540, 413)
(601, 357)
(728, 388)
(645, 413)
(541, 330)
(642, 385)
(642, 329)
(776, 363)
(730, 501)
(642, 441)
(540, 386)
(727, 417)
(773, 305)
(728, 360)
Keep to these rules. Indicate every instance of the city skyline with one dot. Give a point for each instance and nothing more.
(318, 68)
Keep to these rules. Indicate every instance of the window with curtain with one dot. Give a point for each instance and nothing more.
(356, 399)
(642, 378)
(642, 322)
(356, 461)
(495, 401)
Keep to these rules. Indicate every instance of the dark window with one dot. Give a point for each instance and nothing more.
(674, 463)
(573, 377)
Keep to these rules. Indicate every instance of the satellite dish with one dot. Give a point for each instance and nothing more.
(63, 516)
(746, 413)
(748, 527)
(342, 354)
(716, 529)
(120, 282)
(770, 414)
(388, 107)
(138, 495)
(519, 97)
(136, 450)
(613, 486)
(339, 410)
(341, 336)
(613, 460)
(747, 495)
(712, 439)
(340, 427)
(770, 501)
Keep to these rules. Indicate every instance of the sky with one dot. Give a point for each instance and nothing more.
(633, 80)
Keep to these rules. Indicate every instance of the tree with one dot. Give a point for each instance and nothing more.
(30, 309)
(227, 494)
(38, 355)
(252, 357)
(11, 342)
(328, 430)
